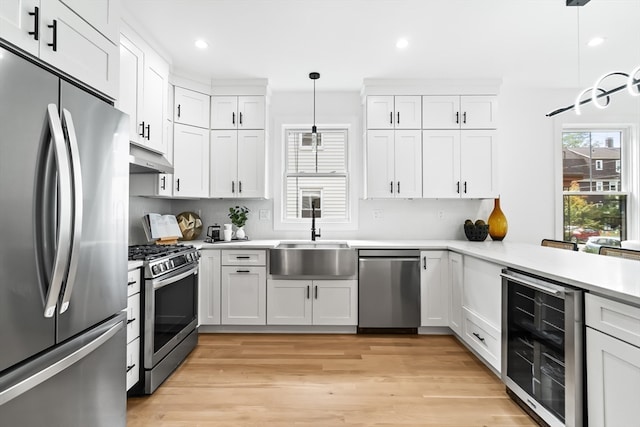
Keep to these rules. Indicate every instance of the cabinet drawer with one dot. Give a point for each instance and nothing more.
(133, 362)
(133, 282)
(133, 317)
(614, 318)
(483, 338)
(244, 257)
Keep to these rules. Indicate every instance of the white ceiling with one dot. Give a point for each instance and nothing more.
(540, 43)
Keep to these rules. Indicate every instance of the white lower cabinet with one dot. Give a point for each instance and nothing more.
(434, 289)
(482, 309)
(613, 362)
(244, 295)
(133, 327)
(312, 302)
(455, 292)
(209, 287)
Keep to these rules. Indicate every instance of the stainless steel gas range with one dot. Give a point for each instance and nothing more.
(169, 303)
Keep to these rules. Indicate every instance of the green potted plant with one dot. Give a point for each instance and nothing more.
(239, 216)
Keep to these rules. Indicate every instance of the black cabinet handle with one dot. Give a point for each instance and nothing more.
(308, 291)
(391, 118)
(424, 262)
(130, 367)
(163, 184)
(398, 187)
(243, 257)
(316, 292)
(398, 117)
(239, 186)
(391, 187)
(36, 23)
(130, 321)
(179, 105)
(458, 187)
(457, 117)
(148, 132)
(240, 118)
(465, 187)
(142, 129)
(233, 118)
(131, 283)
(464, 117)
(54, 27)
(243, 271)
(178, 184)
(477, 335)
(233, 186)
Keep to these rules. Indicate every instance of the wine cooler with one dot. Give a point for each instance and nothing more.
(542, 346)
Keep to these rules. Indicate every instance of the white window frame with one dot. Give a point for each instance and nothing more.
(629, 179)
(309, 189)
(599, 186)
(599, 165)
(353, 152)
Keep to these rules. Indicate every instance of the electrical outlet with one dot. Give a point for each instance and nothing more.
(264, 214)
(440, 214)
(377, 214)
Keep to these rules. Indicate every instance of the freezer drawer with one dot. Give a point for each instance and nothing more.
(79, 383)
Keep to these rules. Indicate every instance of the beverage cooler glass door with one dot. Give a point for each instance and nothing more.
(542, 347)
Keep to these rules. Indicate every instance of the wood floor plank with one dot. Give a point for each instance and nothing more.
(328, 380)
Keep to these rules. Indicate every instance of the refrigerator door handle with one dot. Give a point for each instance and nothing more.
(55, 368)
(63, 244)
(67, 121)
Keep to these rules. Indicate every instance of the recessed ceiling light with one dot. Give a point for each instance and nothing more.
(402, 43)
(201, 44)
(596, 41)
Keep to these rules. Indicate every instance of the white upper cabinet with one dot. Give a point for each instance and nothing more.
(393, 112)
(237, 164)
(190, 161)
(394, 164)
(459, 112)
(77, 37)
(191, 108)
(459, 164)
(237, 112)
(144, 77)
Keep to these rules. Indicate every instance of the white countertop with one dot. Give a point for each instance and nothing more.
(610, 276)
(135, 264)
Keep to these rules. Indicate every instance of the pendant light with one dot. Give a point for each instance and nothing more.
(314, 131)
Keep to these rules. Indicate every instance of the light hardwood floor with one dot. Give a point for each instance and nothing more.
(328, 380)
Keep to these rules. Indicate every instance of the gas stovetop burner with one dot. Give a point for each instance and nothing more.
(150, 252)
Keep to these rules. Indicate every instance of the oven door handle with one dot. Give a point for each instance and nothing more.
(537, 286)
(159, 283)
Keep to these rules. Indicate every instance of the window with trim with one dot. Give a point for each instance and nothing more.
(593, 184)
(316, 174)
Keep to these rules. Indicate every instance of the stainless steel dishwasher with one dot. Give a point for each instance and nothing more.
(389, 291)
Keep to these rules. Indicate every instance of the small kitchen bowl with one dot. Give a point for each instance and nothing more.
(476, 233)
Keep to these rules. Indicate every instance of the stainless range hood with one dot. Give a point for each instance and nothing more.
(146, 160)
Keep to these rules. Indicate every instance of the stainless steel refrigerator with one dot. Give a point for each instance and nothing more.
(63, 251)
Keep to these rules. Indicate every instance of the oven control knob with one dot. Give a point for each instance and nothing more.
(161, 267)
(188, 257)
(154, 269)
(167, 264)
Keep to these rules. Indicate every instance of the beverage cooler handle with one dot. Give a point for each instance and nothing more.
(525, 282)
(67, 122)
(65, 220)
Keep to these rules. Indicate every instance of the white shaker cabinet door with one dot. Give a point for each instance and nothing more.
(156, 79)
(441, 164)
(441, 112)
(190, 161)
(224, 112)
(103, 15)
(455, 292)
(408, 112)
(613, 381)
(434, 288)
(224, 163)
(380, 164)
(18, 23)
(191, 107)
(131, 82)
(335, 302)
(479, 112)
(209, 287)
(408, 164)
(244, 295)
(251, 164)
(289, 302)
(251, 112)
(380, 112)
(478, 164)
